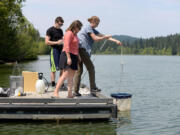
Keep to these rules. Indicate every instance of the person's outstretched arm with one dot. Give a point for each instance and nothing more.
(98, 38)
(115, 40)
(111, 39)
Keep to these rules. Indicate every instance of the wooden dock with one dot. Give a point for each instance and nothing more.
(43, 107)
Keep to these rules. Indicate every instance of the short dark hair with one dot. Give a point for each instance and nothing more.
(59, 19)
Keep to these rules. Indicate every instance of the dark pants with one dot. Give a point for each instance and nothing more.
(85, 59)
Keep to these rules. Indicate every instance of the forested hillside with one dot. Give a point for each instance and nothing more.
(169, 45)
(109, 47)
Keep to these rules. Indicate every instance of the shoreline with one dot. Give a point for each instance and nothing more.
(11, 63)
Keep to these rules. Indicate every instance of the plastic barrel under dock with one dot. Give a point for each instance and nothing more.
(122, 100)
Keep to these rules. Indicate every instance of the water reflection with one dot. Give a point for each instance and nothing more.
(52, 128)
(5, 72)
(111, 127)
(124, 114)
(123, 118)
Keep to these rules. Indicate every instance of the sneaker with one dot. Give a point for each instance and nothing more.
(77, 94)
(95, 89)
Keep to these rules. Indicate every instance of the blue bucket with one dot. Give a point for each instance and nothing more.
(121, 95)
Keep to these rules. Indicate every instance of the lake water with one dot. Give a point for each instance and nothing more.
(154, 82)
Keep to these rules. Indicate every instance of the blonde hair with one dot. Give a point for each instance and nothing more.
(75, 24)
(94, 19)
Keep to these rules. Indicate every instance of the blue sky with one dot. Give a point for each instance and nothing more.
(138, 18)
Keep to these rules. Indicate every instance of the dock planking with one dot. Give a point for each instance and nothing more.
(42, 106)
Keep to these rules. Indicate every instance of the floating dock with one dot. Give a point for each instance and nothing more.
(42, 107)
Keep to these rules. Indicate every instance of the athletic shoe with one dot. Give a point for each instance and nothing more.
(95, 89)
(77, 94)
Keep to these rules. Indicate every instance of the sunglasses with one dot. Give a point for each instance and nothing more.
(60, 23)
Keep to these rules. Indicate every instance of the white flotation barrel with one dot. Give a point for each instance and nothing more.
(122, 100)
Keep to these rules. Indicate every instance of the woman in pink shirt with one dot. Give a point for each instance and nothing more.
(69, 57)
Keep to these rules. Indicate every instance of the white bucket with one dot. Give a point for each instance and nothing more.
(122, 100)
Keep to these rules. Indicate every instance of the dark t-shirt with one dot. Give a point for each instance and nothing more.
(55, 35)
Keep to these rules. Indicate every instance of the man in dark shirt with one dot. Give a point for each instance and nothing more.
(54, 38)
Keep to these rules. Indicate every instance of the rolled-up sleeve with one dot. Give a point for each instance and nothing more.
(89, 29)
